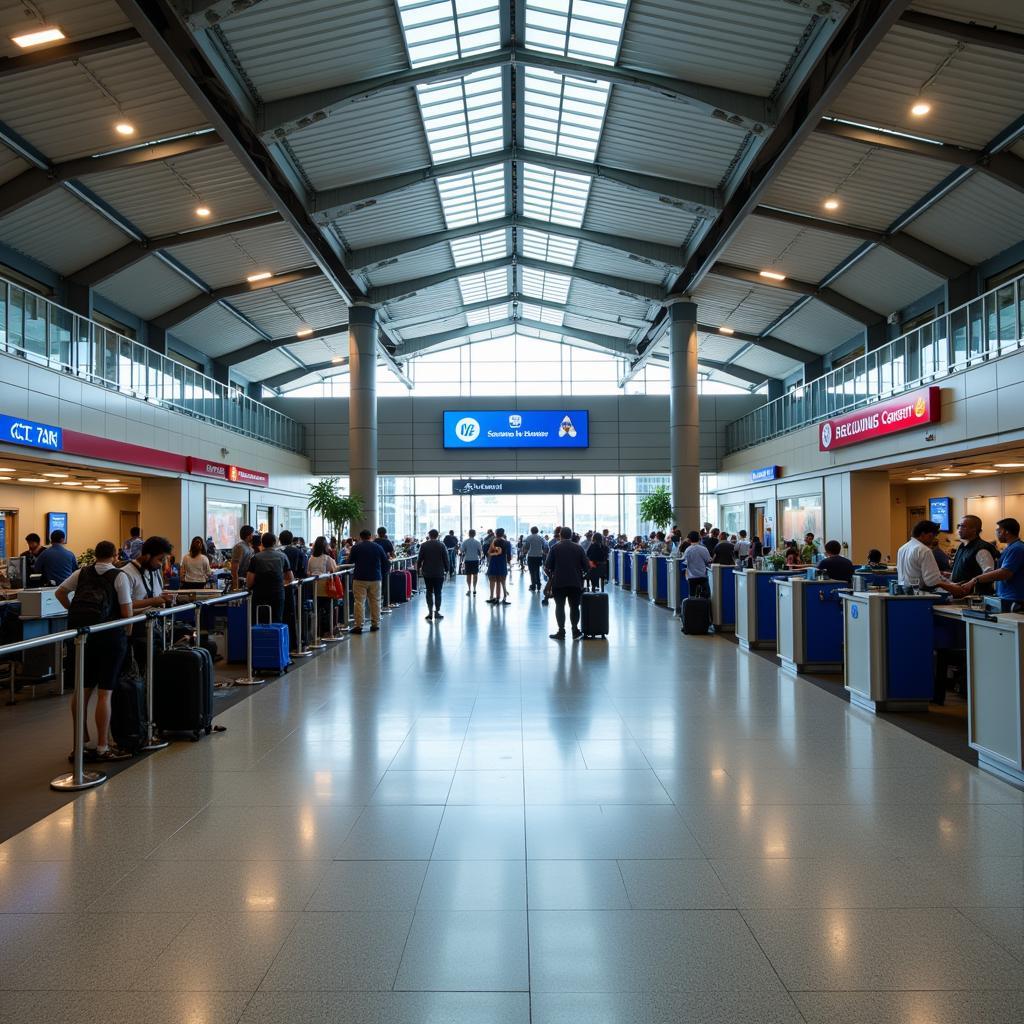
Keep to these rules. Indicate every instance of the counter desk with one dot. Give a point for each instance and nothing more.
(675, 584)
(809, 616)
(615, 565)
(626, 570)
(639, 572)
(657, 578)
(755, 605)
(723, 597)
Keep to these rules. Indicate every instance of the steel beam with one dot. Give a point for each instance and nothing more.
(178, 314)
(204, 14)
(968, 32)
(404, 289)
(739, 372)
(279, 380)
(624, 286)
(65, 52)
(765, 341)
(329, 204)
(430, 342)
(261, 348)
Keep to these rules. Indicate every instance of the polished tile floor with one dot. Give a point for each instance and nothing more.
(467, 823)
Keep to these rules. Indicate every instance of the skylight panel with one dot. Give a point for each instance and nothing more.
(475, 317)
(587, 29)
(467, 251)
(564, 116)
(440, 30)
(462, 117)
(540, 284)
(542, 314)
(543, 246)
(472, 197)
(490, 286)
(557, 196)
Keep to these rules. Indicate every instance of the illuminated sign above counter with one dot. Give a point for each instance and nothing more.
(553, 485)
(14, 430)
(517, 428)
(915, 409)
(765, 473)
(230, 474)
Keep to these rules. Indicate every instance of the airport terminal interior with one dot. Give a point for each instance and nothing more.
(510, 511)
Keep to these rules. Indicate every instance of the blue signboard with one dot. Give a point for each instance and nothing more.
(940, 511)
(758, 476)
(14, 430)
(513, 428)
(56, 521)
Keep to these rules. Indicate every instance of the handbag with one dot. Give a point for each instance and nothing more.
(334, 587)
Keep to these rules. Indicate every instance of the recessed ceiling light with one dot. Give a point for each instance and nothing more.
(303, 332)
(71, 483)
(983, 472)
(949, 476)
(7, 469)
(726, 330)
(125, 128)
(918, 479)
(1008, 465)
(58, 476)
(202, 211)
(91, 487)
(261, 276)
(107, 480)
(32, 480)
(338, 359)
(831, 204)
(43, 35)
(920, 108)
(773, 275)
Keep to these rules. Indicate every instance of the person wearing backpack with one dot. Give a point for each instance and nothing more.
(92, 595)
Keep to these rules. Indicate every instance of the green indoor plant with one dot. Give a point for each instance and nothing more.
(336, 509)
(656, 507)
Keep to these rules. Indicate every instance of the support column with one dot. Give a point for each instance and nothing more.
(684, 417)
(362, 412)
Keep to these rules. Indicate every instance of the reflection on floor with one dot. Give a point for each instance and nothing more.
(468, 822)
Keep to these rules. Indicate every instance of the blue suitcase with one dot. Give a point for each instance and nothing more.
(269, 645)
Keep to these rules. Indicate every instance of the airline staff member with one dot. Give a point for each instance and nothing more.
(1009, 577)
(916, 565)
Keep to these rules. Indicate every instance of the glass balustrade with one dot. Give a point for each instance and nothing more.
(980, 330)
(42, 332)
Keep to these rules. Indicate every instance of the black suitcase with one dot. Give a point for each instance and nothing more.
(696, 616)
(396, 588)
(594, 614)
(183, 691)
(128, 713)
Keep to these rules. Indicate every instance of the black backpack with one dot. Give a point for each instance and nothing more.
(95, 599)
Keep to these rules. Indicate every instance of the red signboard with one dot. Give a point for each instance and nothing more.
(915, 409)
(230, 474)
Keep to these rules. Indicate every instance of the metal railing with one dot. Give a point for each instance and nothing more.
(41, 331)
(983, 329)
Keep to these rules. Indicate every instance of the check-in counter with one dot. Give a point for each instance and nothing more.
(809, 615)
(657, 578)
(626, 578)
(880, 578)
(755, 605)
(675, 580)
(888, 650)
(639, 572)
(723, 597)
(615, 565)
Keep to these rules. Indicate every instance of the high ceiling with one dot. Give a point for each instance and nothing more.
(481, 167)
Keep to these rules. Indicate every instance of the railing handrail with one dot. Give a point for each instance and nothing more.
(886, 354)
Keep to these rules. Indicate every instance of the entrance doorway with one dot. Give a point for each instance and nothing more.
(264, 518)
(126, 521)
(758, 513)
(516, 514)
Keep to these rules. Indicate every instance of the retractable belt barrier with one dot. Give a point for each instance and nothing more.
(333, 635)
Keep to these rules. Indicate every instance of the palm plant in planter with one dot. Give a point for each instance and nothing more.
(336, 509)
(656, 507)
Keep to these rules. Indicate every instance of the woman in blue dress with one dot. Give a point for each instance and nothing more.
(497, 568)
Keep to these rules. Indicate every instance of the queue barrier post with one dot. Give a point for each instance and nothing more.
(332, 607)
(346, 616)
(78, 778)
(315, 645)
(301, 649)
(152, 743)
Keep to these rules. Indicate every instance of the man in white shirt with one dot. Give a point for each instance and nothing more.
(472, 552)
(696, 558)
(915, 563)
(742, 545)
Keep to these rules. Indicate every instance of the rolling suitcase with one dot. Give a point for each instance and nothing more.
(396, 588)
(270, 644)
(594, 615)
(696, 616)
(183, 691)
(128, 708)
(408, 584)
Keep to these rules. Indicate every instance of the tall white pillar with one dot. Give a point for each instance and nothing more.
(684, 417)
(362, 412)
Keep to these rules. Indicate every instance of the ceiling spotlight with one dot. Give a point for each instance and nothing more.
(338, 359)
(949, 476)
(831, 204)
(983, 472)
(773, 275)
(125, 128)
(71, 483)
(303, 332)
(917, 479)
(202, 211)
(32, 480)
(7, 469)
(726, 330)
(1008, 465)
(57, 476)
(91, 487)
(107, 480)
(920, 108)
(263, 275)
(43, 35)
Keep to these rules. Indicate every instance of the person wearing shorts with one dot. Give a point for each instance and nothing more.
(471, 552)
(497, 568)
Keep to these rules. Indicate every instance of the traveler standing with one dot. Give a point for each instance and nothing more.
(195, 566)
(94, 594)
(240, 555)
(711, 540)
(834, 565)
(1009, 576)
(743, 547)
(535, 547)
(697, 558)
(269, 573)
(56, 563)
(974, 556)
(497, 568)
(809, 550)
(145, 573)
(385, 542)
(597, 557)
(371, 566)
(472, 551)
(451, 543)
(725, 552)
(567, 566)
(291, 550)
(916, 566)
(133, 545)
(31, 553)
(433, 562)
(320, 562)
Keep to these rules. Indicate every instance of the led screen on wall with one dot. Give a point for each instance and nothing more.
(515, 428)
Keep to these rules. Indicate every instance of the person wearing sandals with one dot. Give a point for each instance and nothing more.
(497, 568)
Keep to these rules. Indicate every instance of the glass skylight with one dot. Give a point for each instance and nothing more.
(542, 314)
(589, 29)
(564, 116)
(466, 251)
(552, 248)
(462, 117)
(472, 197)
(557, 196)
(475, 317)
(440, 30)
(484, 287)
(540, 284)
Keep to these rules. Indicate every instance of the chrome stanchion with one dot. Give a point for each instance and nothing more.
(152, 743)
(248, 679)
(316, 645)
(79, 778)
(300, 650)
(59, 669)
(346, 615)
(332, 636)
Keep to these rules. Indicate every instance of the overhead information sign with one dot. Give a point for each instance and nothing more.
(14, 430)
(516, 486)
(916, 409)
(517, 428)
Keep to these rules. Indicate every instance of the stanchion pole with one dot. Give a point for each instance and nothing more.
(346, 615)
(79, 778)
(332, 607)
(152, 743)
(301, 650)
(316, 645)
(385, 597)
(248, 679)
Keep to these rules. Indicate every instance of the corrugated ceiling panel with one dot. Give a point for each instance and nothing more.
(288, 48)
(743, 307)
(605, 302)
(231, 258)
(611, 261)
(413, 211)
(319, 350)
(262, 367)
(743, 44)
(612, 330)
(443, 298)
(818, 327)
(885, 280)
(975, 96)
(874, 186)
(625, 211)
(651, 133)
(161, 198)
(11, 165)
(61, 111)
(215, 331)
(379, 136)
(426, 328)
(148, 288)
(78, 19)
(1007, 14)
(769, 363)
(61, 232)
(416, 264)
(282, 311)
(796, 251)
(716, 348)
(978, 219)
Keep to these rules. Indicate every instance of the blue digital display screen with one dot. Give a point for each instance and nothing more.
(517, 428)
(940, 511)
(56, 521)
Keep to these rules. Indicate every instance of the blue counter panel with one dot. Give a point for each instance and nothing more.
(627, 569)
(661, 580)
(641, 581)
(823, 618)
(767, 623)
(728, 597)
(910, 628)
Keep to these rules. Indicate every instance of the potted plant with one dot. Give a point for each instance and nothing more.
(656, 507)
(336, 509)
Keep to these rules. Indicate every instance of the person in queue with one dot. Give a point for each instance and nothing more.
(974, 556)
(195, 566)
(597, 560)
(133, 545)
(56, 563)
(742, 546)
(371, 566)
(92, 595)
(941, 558)
(916, 566)
(432, 564)
(725, 551)
(696, 558)
(146, 576)
(535, 549)
(240, 555)
(497, 568)
(834, 565)
(472, 550)
(1008, 576)
(451, 544)
(31, 553)
(874, 562)
(269, 573)
(566, 566)
(320, 562)
(385, 541)
(291, 550)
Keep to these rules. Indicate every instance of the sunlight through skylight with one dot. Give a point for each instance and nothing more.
(441, 30)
